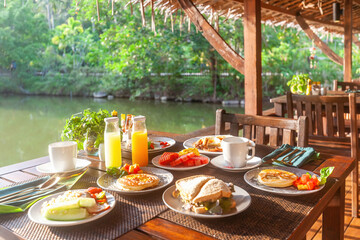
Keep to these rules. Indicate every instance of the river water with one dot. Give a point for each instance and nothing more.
(29, 123)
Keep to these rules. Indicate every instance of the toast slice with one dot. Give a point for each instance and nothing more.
(212, 190)
(190, 187)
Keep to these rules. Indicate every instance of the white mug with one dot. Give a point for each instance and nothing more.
(235, 150)
(63, 155)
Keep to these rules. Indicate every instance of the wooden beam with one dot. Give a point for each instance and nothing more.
(356, 41)
(252, 46)
(318, 42)
(212, 35)
(292, 13)
(348, 41)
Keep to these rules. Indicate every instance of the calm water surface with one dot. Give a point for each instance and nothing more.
(28, 124)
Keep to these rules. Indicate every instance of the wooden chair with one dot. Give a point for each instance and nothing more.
(354, 85)
(282, 130)
(332, 121)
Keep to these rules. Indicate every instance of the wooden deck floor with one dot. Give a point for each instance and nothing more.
(352, 225)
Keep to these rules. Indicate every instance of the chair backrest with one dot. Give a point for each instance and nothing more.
(354, 85)
(280, 130)
(327, 114)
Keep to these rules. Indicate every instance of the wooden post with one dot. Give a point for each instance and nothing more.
(252, 44)
(348, 41)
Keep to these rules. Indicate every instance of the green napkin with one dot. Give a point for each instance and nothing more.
(20, 206)
(299, 161)
(352, 91)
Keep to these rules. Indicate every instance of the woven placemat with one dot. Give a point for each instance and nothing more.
(268, 217)
(129, 213)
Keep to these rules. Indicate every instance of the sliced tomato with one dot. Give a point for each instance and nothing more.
(310, 185)
(305, 178)
(315, 180)
(93, 190)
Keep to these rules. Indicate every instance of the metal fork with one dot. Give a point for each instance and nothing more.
(279, 155)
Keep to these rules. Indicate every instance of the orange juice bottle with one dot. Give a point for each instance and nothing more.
(112, 143)
(139, 142)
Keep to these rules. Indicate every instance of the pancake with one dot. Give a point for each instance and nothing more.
(137, 182)
(276, 178)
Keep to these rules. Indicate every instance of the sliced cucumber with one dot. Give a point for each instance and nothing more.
(64, 205)
(66, 214)
(87, 202)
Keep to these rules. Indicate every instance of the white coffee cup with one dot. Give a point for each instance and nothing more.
(236, 149)
(63, 155)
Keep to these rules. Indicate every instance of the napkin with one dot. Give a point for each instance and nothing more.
(352, 91)
(20, 206)
(299, 161)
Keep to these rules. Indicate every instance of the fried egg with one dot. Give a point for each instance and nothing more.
(137, 182)
(276, 178)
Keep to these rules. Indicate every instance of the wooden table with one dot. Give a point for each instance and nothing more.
(280, 102)
(331, 204)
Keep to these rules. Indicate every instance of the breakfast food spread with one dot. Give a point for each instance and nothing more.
(209, 143)
(276, 178)
(137, 182)
(187, 158)
(75, 205)
(205, 194)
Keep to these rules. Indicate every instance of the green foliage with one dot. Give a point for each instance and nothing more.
(298, 83)
(62, 49)
(84, 124)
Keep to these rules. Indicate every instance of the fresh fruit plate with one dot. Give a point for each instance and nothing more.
(182, 161)
(156, 144)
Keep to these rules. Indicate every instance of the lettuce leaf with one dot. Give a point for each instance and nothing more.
(324, 174)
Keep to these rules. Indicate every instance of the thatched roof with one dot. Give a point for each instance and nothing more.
(317, 13)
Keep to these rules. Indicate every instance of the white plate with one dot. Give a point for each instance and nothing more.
(251, 178)
(241, 197)
(220, 163)
(156, 141)
(35, 213)
(156, 159)
(190, 144)
(107, 182)
(48, 168)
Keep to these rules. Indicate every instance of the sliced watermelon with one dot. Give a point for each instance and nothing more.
(182, 159)
(189, 163)
(168, 157)
(203, 160)
(197, 162)
(176, 162)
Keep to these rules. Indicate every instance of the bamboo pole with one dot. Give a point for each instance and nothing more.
(112, 7)
(142, 13)
(97, 9)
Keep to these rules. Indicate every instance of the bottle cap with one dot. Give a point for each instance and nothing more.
(139, 118)
(111, 119)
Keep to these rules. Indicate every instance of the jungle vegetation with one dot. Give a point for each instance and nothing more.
(60, 48)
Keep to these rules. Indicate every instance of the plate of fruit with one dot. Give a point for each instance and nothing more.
(186, 159)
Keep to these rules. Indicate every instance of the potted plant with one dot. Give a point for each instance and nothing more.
(298, 83)
(87, 129)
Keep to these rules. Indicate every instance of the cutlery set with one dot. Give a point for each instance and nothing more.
(54, 183)
(289, 155)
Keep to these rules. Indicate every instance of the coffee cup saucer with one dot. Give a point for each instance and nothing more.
(48, 168)
(220, 163)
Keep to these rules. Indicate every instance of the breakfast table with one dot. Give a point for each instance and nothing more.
(269, 216)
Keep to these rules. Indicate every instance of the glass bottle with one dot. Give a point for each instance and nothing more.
(139, 142)
(112, 143)
(309, 87)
